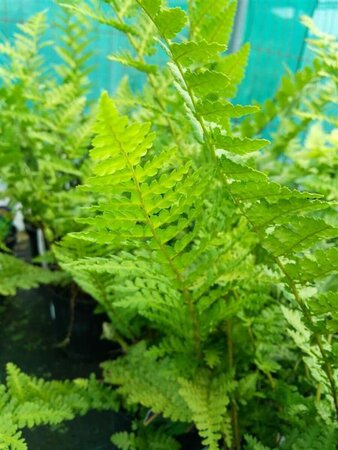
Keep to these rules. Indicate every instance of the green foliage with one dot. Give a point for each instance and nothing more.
(199, 395)
(212, 25)
(151, 440)
(16, 274)
(310, 149)
(174, 269)
(45, 133)
(74, 51)
(217, 274)
(44, 124)
(223, 275)
(27, 402)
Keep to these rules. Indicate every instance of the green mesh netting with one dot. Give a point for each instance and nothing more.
(272, 27)
(277, 40)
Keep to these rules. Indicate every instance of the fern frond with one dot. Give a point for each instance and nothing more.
(16, 274)
(74, 51)
(151, 440)
(10, 437)
(118, 151)
(318, 437)
(212, 22)
(94, 11)
(127, 59)
(199, 395)
(236, 145)
(253, 444)
(169, 21)
(233, 65)
(158, 391)
(325, 306)
(28, 401)
(310, 267)
(25, 52)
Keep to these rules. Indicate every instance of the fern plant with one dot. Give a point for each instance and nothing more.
(45, 135)
(44, 123)
(26, 402)
(214, 268)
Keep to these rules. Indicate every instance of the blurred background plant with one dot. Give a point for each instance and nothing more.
(45, 122)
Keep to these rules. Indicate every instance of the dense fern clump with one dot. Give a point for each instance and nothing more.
(26, 402)
(214, 268)
(45, 123)
(45, 131)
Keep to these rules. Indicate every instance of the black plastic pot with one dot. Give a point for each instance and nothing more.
(32, 233)
(78, 329)
(11, 238)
